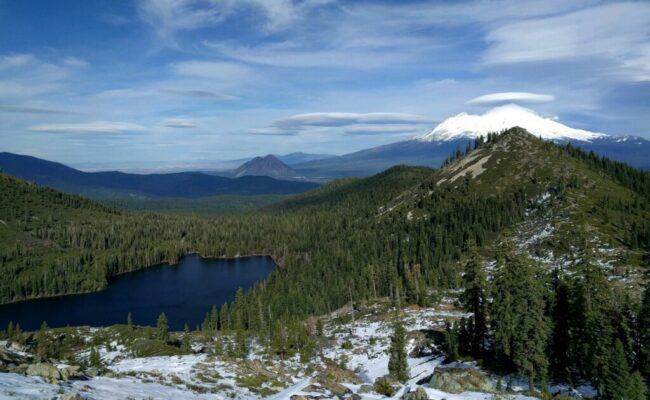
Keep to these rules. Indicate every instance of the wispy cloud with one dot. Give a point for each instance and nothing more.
(332, 119)
(618, 34)
(169, 16)
(198, 94)
(379, 130)
(74, 62)
(88, 127)
(31, 110)
(502, 97)
(178, 123)
(271, 132)
(215, 71)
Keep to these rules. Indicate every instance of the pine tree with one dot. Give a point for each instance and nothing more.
(397, 363)
(10, 330)
(560, 356)
(643, 334)
(162, 328)
(474, 300)
(94, 359)
(42, 340)
(616, 377)
(636, 387)
(521, 327)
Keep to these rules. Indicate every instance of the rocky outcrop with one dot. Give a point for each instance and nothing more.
(458, 380)
(46, 371)
(417, 394)
(332, 386)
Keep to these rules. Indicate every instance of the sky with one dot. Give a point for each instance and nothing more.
(126, 84)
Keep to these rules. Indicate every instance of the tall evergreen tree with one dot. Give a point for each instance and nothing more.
(162, 328)
(560, 357)
(643, 333)
(397, 362)
(521, 327)
(616, 376)
(474, 300)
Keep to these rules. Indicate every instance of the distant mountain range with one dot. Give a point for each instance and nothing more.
(118, 184)
(262, 175)
(432, 148)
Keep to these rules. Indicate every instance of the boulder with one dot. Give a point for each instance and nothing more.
(354, 397)
(334, 387)
(417, 394)
(45, 370)
(71, 396)
(92, 371)
(71, 372)
(458, 380)
(342, 375)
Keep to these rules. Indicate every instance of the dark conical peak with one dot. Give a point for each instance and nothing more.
(268, 165)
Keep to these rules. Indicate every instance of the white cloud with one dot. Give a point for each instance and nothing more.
(75, 62)
(331, 119)
(379, 130)
(16, 60)
(168, 16)
(198, 94)
(227, 72)
(31, 110)
(271, 132)
(523, 97)
(178, 123)
(616, 33)
(88, 127)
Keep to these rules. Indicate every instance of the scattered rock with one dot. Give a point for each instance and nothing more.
(458, 380)
(92, 371)
(418, 394)
(71, 372)
(342, 375)
(334, 387)
(45, 370)
(354, 397)
(71, 396)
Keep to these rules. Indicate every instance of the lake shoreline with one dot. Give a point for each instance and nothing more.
(276, 260)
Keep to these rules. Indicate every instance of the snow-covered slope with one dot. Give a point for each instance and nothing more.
(463, 126)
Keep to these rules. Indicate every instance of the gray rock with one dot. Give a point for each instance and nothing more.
(334, 387)
(458, 380)
(45, 370)
(354, 397)
(418, 394)
(92, 371)
(71, 372)
(71, 396)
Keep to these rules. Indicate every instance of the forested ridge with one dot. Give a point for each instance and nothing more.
(405, 234)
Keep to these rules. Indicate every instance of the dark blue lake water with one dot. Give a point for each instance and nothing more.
(184, 292)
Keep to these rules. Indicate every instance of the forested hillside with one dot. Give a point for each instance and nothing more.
(528, 228)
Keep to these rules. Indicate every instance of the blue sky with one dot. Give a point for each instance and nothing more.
(178, 82)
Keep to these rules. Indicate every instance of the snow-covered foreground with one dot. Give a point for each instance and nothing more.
(358, 348)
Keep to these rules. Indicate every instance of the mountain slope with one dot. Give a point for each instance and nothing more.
(265, 166)
(569, 199)
(118, 184)
(471, 126)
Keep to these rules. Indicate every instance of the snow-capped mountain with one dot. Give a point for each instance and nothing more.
(470, 126)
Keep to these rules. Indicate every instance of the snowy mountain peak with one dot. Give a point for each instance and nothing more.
(470, 126)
